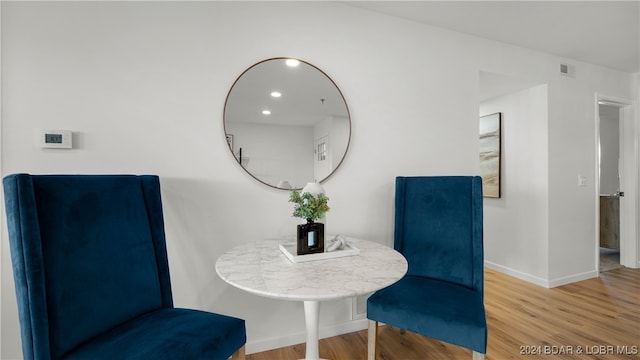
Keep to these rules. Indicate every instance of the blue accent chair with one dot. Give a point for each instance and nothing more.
(438, 228)
(92, 276)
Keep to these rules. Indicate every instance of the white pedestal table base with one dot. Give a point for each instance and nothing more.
(311, 317)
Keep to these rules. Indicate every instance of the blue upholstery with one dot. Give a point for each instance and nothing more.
(438, 228)
(92, 275)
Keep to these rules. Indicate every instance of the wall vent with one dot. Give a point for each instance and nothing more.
(567, 70)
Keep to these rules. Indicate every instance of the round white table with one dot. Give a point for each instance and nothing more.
(261, 268)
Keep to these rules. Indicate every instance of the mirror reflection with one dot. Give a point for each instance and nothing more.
(287, 123)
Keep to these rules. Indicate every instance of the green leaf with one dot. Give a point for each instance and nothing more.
(307, 206)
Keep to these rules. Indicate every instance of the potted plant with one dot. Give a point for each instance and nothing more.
(311, 206)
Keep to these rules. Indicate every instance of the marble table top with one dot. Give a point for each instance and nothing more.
(261, 268)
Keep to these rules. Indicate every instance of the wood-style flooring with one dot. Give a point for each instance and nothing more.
(609, 259)
(592, 319)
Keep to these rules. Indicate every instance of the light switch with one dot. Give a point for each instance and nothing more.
(582, 180)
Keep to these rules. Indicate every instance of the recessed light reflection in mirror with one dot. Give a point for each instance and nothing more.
(292, 62)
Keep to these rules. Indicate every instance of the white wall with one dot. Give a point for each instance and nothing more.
(339, 139)
(516, 224)
(572, 153)
(275, 153)
(143, 86)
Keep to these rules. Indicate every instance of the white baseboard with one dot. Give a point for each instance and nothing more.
(517, 274)
(301, 337)
(572, 278)
(547, 283)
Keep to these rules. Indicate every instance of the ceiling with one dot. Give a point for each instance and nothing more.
(307, 96)
(605, 33)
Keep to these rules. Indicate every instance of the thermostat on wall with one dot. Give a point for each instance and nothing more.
(56, 139)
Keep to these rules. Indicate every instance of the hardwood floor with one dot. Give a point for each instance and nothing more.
(592, 319)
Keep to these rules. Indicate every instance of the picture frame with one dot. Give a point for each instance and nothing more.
(490, 135)
(229, 140)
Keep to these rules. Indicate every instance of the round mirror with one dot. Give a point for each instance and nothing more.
(287, 123)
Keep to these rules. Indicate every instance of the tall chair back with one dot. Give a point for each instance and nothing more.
(440, 219)
(438, 228)
(89, 255)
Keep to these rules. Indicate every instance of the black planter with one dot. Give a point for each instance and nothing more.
(310, 238)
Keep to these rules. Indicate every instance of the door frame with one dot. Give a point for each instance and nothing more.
(628, 164)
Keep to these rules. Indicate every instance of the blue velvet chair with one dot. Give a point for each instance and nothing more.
(92, 276)
(438, 228)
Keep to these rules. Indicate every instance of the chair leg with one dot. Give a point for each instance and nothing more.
(478, 356)
(371, 340)
(238, 355)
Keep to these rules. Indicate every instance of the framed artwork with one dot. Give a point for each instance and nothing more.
(490, 154)
(229, 141)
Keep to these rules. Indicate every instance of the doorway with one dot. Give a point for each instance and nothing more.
(617, 181)
(610, 194)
